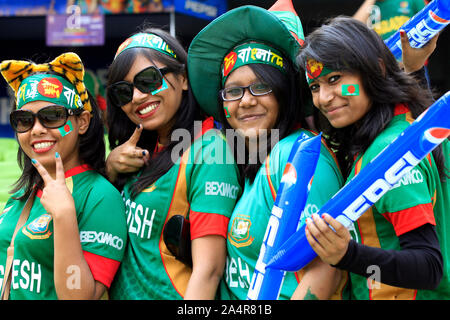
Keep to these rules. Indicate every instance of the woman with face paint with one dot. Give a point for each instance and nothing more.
(365, 102)
(62, 232)
(179, 190)
(242, 71)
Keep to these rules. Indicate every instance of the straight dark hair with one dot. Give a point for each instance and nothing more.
(121, 127)
(286, 88)
(345, 44)
(91, 152)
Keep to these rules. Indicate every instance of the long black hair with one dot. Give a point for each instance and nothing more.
(91, 148)
(121, 127)
(286, 88)
(345, 44)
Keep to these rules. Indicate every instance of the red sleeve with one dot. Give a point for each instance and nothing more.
(411, 218)
(203, 224)
(103, 269)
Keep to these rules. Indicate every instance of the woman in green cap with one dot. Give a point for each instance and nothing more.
(62, 232)
(178, 200)
(242, 71)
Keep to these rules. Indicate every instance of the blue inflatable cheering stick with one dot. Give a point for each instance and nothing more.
(430, 129)
(285, 216)
(422, 27)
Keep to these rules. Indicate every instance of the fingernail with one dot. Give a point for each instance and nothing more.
(402, 32)
(143, 153)
(139, 126)
(33, 161)
(56, 155)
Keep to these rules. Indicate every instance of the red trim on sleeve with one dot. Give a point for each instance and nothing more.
(411, 218)
(203, 224)
(103, 269)
(400, 108)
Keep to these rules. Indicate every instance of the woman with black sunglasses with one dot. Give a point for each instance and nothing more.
(62, 232)
(175, 190)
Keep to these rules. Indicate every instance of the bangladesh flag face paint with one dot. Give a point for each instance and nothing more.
(227, 113)
(350, 90)
(164, 86)
(66, 129)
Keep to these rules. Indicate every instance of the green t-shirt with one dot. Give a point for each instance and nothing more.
(251, 215)
(389, 15)
(418, 198)
(101, 223)
(203, 187)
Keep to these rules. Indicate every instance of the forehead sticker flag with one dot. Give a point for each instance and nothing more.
(66, 129)
(350, 90)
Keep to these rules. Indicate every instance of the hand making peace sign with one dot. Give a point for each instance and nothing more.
(56, 197)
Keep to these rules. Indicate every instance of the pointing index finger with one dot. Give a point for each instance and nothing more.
(134, 139)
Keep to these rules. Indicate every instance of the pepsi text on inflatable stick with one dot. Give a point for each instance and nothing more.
(379, 176)
(285, 216)
(422, 27)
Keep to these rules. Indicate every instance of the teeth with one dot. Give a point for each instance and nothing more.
(43, 145)
(148, 109)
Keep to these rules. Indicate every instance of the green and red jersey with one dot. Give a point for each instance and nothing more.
(417, 199)
(202, 186)
(251, 215)
(99, 208)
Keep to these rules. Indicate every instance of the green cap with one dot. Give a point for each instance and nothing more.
(274, 28)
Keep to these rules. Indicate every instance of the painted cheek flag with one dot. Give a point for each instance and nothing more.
(350, 90)
(227, 113)
(379, 176)
(164, 86)
(66, 129)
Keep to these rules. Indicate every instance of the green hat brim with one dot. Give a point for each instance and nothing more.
(217, 39)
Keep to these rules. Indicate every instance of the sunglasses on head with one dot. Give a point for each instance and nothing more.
(147, 80)
(50, 117)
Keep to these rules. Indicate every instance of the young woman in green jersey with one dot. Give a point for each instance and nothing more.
(247, 78)
(401, 242)
(166, 187)
(69, 243)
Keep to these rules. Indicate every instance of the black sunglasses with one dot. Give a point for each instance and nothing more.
(50, 117)
(147, 80)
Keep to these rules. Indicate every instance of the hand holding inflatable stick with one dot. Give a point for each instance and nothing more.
(422, 27)
(430, 129)
(286, 212)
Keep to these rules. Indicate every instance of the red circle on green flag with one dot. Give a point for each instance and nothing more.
(66, 128)
(351, 89)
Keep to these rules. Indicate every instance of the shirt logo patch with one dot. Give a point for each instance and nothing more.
(240, 232)
(39, 227)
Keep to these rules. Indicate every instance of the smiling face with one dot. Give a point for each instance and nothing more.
(41, 143)
(155, 112)
(339, 109)
(251, 113)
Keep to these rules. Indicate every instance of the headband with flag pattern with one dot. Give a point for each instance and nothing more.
(68, 66)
